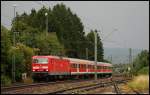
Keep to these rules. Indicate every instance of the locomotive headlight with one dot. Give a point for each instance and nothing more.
(35, 67)
(44, 67)
(33, 70)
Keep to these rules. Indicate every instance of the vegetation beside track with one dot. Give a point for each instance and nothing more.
(27, 80)
(140, 83)
(28, 36)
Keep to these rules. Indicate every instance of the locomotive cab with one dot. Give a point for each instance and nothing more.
(40, 65)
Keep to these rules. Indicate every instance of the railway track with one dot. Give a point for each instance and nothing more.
(81, 89)
(116, 88)
(101, 83)
(135, 91)
(22, 86)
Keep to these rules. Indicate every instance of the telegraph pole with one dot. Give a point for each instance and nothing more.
(95, 56)
(46, 14)
(130, 58)
(13, 63)
(111, 58)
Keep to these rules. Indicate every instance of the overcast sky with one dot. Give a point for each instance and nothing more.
(125, 22)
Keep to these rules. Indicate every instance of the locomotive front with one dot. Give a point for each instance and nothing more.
(39, 66)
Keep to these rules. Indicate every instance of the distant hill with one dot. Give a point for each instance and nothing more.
(119, 55)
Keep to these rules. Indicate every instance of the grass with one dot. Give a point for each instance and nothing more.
(5, 81)
(27, 80)
(140, 83)
(144, 70)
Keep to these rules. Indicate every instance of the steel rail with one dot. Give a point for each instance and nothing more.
(87, 88)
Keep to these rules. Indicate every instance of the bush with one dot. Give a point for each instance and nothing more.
(5, 81)
(140, 82)
(28, 80)
(23, 59)
(144, 70)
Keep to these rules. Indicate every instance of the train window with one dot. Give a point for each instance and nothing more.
(110, 68)
(34, 61)
(92, 66)
(103, 67)
(80, 65)
(98, 67)
(77, 65)
(73, 66)
(40, 60)
(83, 66)
(106, 67)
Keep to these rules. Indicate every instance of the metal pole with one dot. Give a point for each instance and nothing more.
(95, 56)
(87, 53)
(47, 25)
(46, 14)
(111, 58)
(13, 63)
(130, 56)
(130, 59)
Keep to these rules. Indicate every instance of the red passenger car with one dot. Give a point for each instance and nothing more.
(54, 66)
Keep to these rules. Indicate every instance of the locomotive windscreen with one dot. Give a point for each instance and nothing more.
(40, 60)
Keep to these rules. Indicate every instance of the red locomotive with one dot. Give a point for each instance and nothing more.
(62, 67)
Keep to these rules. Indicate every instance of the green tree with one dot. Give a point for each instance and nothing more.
(23, 59)
(141, 61)
(5, 46)
(41, 19)
(64, 22)
(91, 47)
(69, 30)
(48, 44)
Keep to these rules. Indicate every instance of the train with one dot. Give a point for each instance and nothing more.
(52, 67)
